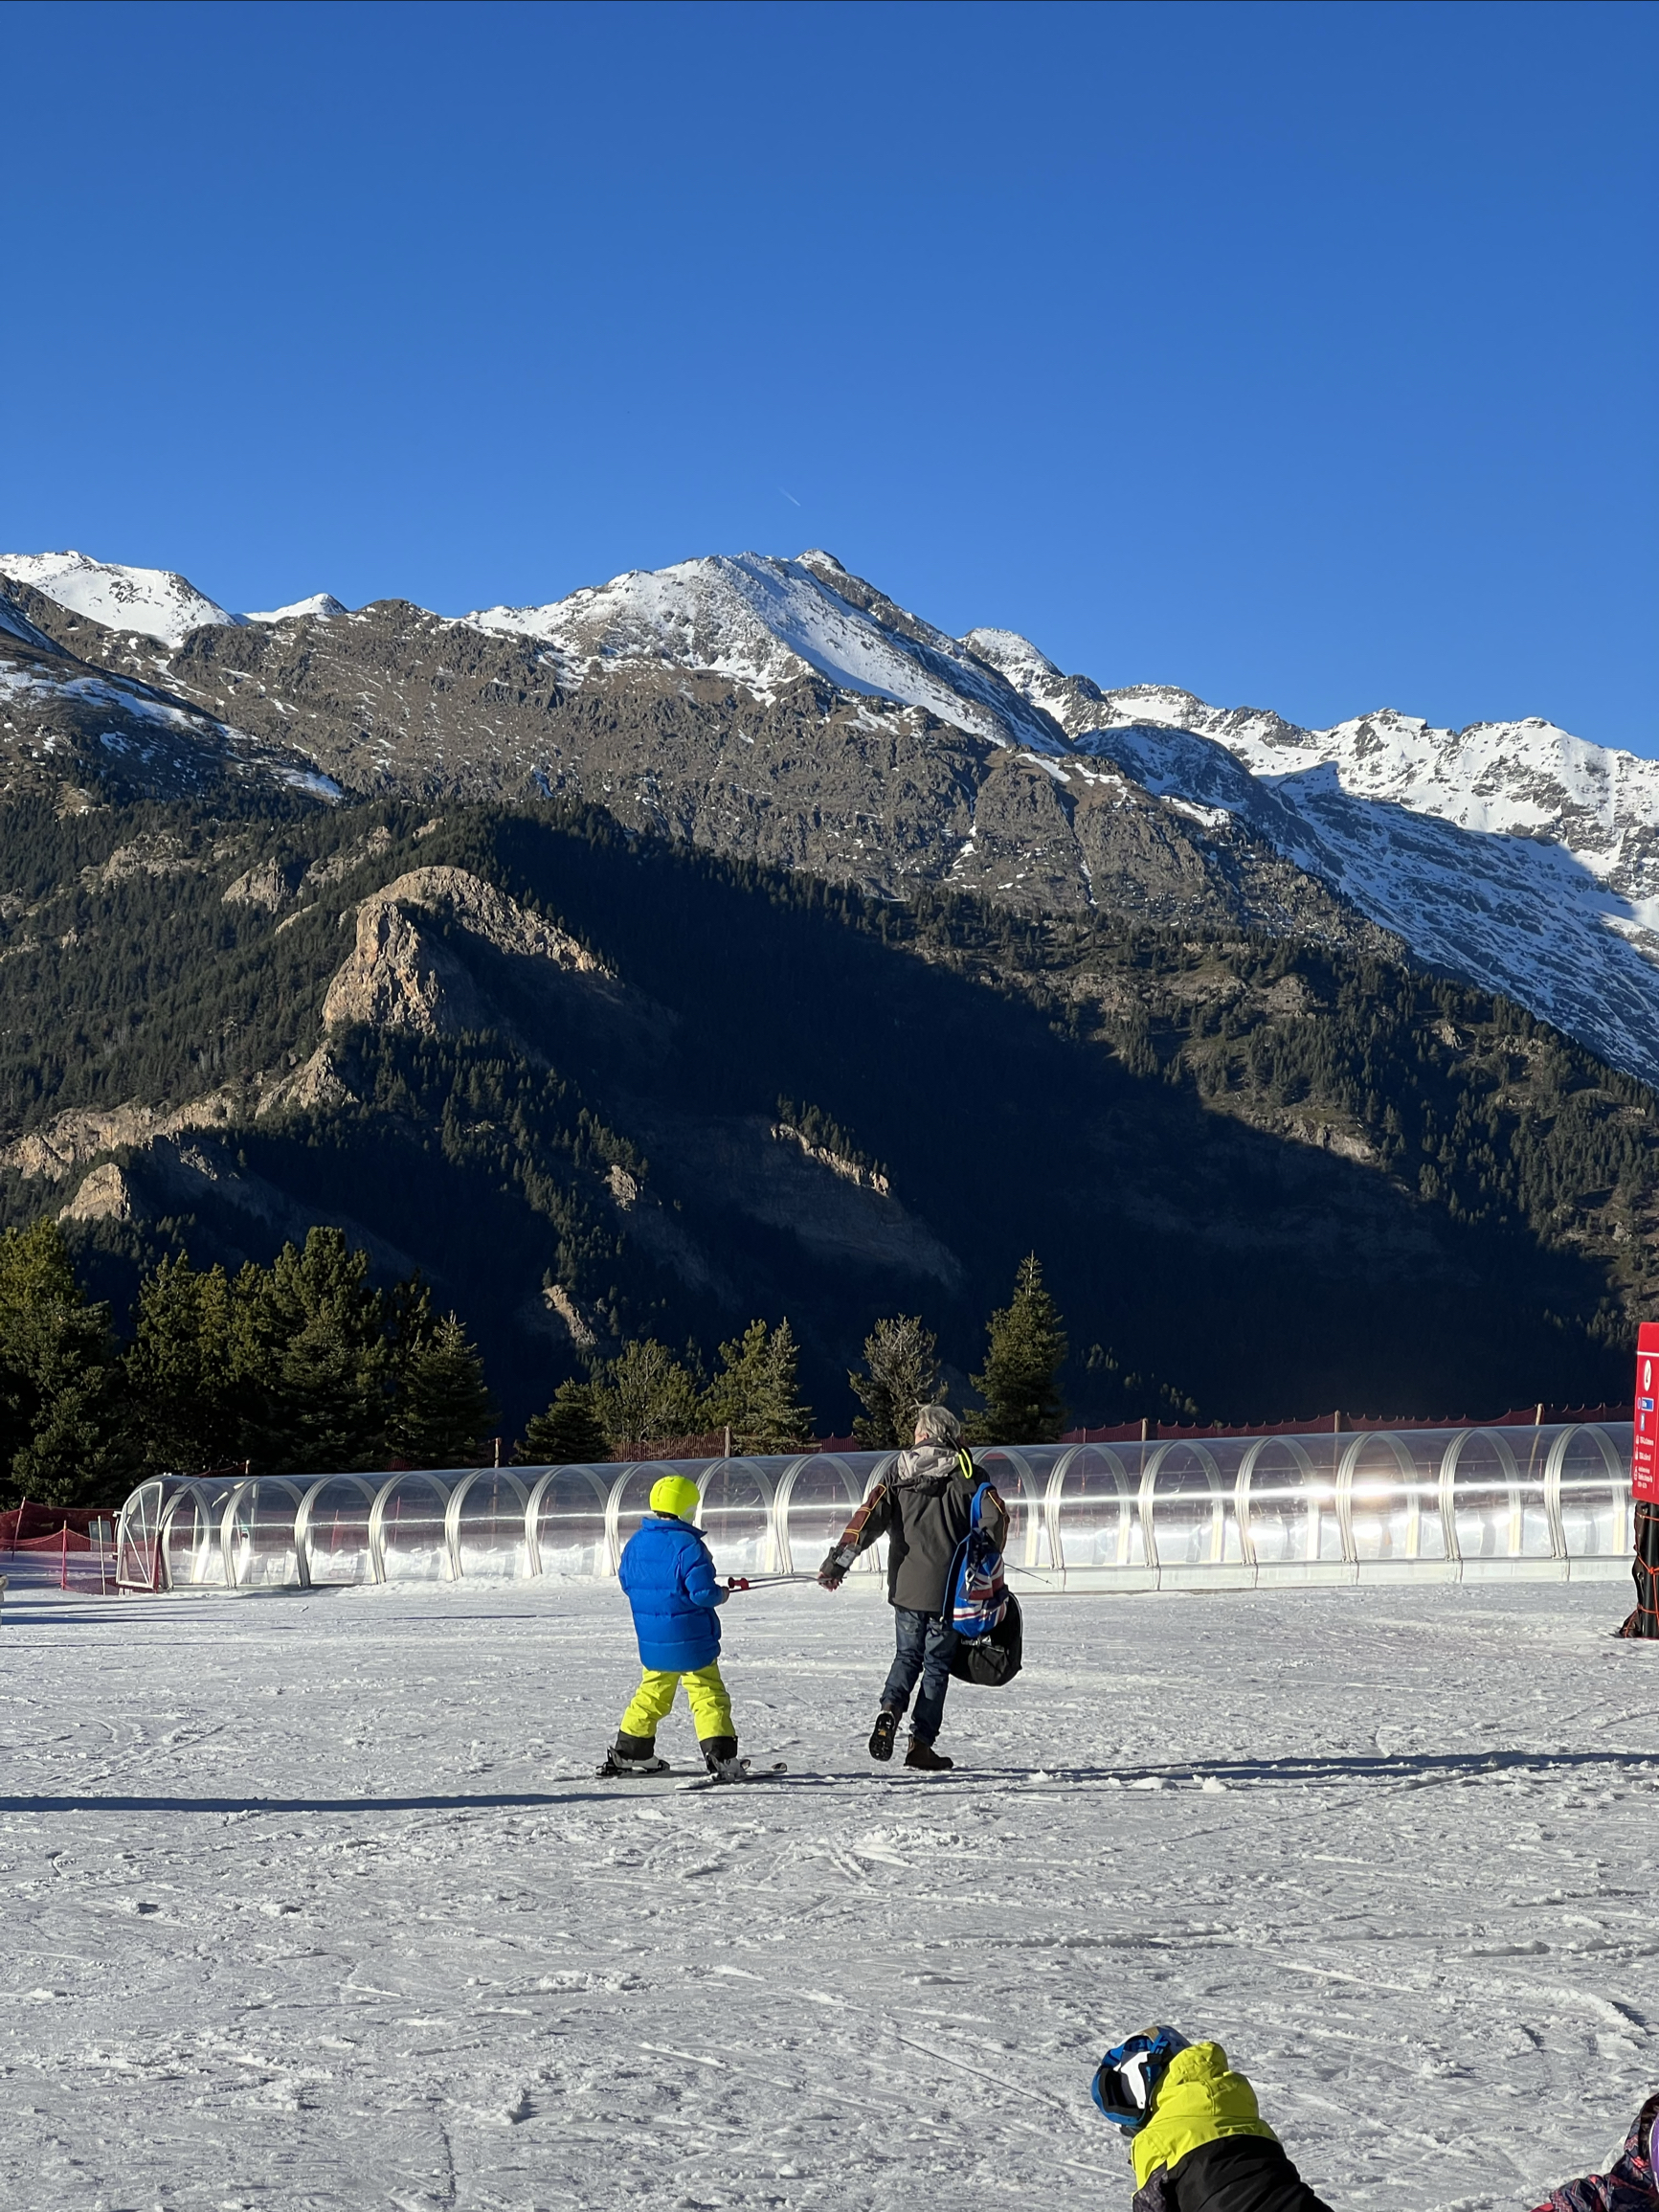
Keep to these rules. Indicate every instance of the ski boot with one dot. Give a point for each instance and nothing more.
(882, 1735)
(923, 1756)
(720, 1757)
(632, 1756)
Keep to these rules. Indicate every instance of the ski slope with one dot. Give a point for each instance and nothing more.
(313, 1902)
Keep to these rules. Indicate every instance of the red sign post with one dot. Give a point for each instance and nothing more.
(1644, 1485)
(1645, 1445)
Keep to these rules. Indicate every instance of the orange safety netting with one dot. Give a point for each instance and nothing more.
(29, 1527)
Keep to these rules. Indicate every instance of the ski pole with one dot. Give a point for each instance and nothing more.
(764, 1580)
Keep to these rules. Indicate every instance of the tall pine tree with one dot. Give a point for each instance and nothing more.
(568, 1434)
(442, 1411)
(189, 1370)
(901, 1374)
(1025, 1351)
(60, 1423)
(753, 1392)
(320, 1328)
(647, 1396)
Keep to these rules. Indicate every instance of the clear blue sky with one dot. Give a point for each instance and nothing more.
(1303, 356)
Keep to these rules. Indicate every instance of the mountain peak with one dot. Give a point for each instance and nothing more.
(765, 623)
(154, 602)
(322, 604)
(1008, 651)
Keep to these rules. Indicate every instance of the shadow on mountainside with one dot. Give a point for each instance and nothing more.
(632, 1156)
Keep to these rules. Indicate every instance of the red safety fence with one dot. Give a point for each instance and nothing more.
(715, 1445)
(1343, 1423)
(25, 1524)
(71, 1545)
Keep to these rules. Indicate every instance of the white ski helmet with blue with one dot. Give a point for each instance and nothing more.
(1126, 2080)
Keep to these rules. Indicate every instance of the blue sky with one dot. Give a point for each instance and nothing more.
(1301, 355)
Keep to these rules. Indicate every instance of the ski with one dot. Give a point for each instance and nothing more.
(724, 1781)
(622, 1774)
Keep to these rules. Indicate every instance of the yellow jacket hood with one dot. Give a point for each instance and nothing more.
(1199, 2100)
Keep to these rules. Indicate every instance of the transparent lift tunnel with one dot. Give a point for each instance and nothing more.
(1193, 1513)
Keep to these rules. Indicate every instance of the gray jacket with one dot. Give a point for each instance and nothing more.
(922, 1508)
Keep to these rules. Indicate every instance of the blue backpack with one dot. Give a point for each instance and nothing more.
(978, 1598)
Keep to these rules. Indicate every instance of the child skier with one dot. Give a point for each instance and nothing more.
(669, 1577)
(1197, 2138)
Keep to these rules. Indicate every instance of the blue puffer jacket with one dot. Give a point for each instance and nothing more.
(670, 1578)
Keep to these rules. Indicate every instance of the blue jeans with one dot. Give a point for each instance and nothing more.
(926, 1646)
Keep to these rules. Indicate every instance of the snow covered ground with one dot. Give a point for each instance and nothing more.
(312, 1901)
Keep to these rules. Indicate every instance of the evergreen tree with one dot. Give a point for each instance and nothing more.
(407, 1318)
(753, 1391)
(319, 1332)
(1025, 1351)
(58, 1411)
(645, 1396)
(568, 1434)
(189, 1370)
(901, 1373)
(442, 1411)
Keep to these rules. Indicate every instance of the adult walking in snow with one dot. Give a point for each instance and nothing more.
(924, 1509)
(669, 1577)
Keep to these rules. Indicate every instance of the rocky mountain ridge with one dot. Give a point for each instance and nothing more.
(789, 712)
(596, 1084)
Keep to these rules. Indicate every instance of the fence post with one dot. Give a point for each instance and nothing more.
(63, 1569)
(1643, 1620)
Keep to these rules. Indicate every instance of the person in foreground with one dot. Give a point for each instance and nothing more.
(924, 1508)
(1196, 2138)
(1627, 2186)
(669, 1577)
(1199, 2142)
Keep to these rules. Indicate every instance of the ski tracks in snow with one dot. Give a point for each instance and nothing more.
(313, 1903)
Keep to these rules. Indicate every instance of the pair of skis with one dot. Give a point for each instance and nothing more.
(748, 1773)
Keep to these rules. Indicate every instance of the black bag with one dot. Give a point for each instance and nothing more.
(993, 1659)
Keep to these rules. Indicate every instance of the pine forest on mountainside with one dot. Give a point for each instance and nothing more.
(1263, 1178)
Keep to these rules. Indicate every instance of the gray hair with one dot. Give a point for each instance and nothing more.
(937, 1425)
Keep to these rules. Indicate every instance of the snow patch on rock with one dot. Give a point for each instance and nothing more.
(321, 604)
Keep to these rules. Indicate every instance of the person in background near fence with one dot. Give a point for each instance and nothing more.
(923, 1508)
(669, 1577)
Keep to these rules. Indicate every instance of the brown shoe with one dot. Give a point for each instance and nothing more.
(923, 1756)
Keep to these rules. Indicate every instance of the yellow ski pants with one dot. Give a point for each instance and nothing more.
(710, 1704)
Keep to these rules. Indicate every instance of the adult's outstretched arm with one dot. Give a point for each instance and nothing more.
(869, 1522)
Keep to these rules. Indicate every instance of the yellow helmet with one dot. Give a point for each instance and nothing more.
(675, 1494)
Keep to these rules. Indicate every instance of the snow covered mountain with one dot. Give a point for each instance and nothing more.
(789, 710)
(154, 602)
(149, 603)
(323, 603)
(767, 623)
(1511, 853)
